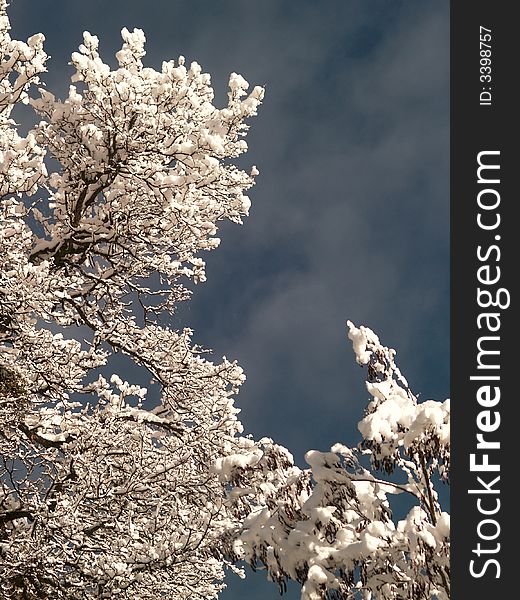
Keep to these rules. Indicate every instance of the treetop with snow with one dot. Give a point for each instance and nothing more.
(112, 490)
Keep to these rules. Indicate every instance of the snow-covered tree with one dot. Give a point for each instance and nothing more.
(107, 489)
(112, 490)
(330, 527)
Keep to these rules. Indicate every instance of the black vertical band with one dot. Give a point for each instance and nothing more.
(484, 251)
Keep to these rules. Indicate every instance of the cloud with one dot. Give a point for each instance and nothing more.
(350, 220)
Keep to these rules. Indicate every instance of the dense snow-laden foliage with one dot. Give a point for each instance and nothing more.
(112, 490)
(21, 63)
(330, 527)
(107, 489)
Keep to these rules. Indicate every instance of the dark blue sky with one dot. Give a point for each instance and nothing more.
(350, 216)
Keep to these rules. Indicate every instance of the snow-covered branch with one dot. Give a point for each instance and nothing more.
(330, 527)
